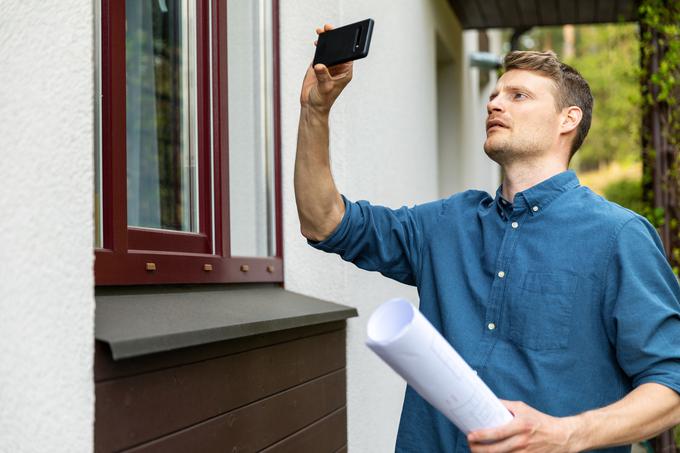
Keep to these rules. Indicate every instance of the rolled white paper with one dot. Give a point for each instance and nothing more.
(412, 347)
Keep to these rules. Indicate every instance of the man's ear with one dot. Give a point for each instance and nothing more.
(571, 118)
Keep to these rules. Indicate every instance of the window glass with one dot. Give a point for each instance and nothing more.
(250, 88)
(162, 178)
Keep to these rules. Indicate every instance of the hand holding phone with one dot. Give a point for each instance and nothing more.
(331, 70)
(347, 43)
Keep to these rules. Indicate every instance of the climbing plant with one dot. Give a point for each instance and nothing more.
(660, 87)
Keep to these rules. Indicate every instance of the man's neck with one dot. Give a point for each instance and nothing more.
(521, 176)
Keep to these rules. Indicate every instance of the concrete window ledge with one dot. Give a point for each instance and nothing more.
(136, 321)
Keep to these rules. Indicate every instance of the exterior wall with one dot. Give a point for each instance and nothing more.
(384, 148)
(46, 284)
(283, 391)
(384, 144)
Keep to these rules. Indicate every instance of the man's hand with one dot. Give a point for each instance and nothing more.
(323, 85)
(529, 431)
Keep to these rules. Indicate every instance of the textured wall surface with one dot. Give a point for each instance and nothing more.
(383, 149)
(46, 296)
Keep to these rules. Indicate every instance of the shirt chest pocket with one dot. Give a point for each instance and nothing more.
(539, 311)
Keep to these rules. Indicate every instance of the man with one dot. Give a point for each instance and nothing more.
(561, 301)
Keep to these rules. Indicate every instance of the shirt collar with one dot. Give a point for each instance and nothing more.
(538, 197)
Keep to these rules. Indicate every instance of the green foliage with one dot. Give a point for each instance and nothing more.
(607, 57)
(662, 18)
(660, 81)
(627, 193)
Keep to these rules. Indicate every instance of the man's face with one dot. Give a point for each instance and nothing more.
(522, 121)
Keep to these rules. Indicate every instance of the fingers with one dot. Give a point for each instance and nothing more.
(517, 407)
(322, 73)
(496, 434)
(326, 27)
(341, 70)
(514, 443)
(512, 406)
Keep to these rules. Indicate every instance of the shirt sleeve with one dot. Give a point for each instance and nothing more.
(644, 300)
(377, 238)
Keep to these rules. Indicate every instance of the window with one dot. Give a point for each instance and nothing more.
(187, 151)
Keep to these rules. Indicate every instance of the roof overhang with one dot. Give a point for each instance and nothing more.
(476, 14)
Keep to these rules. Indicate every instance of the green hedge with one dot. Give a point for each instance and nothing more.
(627, 193)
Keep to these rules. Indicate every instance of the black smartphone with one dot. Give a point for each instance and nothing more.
(343, 44)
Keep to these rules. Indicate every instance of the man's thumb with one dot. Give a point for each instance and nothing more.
(322, 74)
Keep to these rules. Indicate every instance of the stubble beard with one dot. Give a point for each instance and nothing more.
(504, 150)
(500, 150)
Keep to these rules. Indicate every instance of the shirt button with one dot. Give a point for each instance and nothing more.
(501, 274)
(491, 326)
(535, 208)
(515, 224)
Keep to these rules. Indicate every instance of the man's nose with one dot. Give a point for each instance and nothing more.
(494, 105)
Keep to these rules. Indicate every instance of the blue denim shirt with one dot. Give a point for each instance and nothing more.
(561, 299)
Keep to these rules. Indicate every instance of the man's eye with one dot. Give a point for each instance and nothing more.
(519, 96)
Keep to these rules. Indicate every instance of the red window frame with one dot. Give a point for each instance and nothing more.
(138, 256)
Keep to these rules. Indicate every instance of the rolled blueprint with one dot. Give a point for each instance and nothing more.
(412, 347)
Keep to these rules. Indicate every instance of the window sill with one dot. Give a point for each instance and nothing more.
(135, 321)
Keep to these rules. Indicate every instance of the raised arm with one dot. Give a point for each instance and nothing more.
(320, 206)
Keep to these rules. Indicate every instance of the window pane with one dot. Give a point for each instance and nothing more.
(161, 115)
(250, 127)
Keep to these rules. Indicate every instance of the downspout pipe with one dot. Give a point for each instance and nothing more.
(516, 34)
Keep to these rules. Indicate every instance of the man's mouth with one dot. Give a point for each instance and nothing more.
(495, 124)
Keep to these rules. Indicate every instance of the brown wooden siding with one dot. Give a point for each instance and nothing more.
(326, 434)
(280, 392)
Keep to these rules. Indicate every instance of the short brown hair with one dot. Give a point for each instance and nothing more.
(571, 87)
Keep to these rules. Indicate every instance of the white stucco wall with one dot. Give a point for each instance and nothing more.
(46, 292)
(383, 149)
(384, 145)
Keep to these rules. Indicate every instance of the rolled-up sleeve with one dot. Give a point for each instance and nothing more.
(377, 238)
(643, 297)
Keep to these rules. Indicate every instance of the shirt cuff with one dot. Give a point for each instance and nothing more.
(659, 379)
(330, 243)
